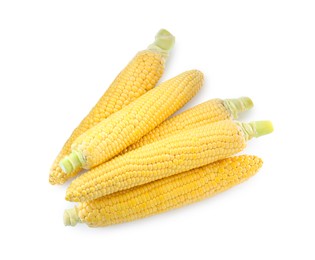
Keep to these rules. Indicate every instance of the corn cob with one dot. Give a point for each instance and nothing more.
(125, 127)
(178, 153)
(208, 112)
(140, 75)
(164, 194)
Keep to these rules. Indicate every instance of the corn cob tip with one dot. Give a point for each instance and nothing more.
(52, 180)
(71, 162)
(164, 42)
(256, 128)
(238, 105)
(70, 217)
(69, 196)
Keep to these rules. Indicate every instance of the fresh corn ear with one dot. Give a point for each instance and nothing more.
(140, 75)
(125, 127)
(208, 112)
(164, 194)
(175, 154)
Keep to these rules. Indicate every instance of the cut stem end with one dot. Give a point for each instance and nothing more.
(70, 217)
(262, 128)
(256, 129)
(71, 162)
(164, 42)
(238, 105)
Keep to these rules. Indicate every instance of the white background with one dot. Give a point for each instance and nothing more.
(58, 57)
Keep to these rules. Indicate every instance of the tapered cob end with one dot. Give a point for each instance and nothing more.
(71, 162)
(164, 42)
(70, 217)
(238, 105)
(70, 196)
(256, 129)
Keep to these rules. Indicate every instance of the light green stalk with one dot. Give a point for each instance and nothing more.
(164, 42)
(238, 105)
(255, 129)
(72, 162)
(70, 217)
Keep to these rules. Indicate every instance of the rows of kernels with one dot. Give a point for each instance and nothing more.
(205, 113)
(118, 131)
(178, 153)
(140, 75)
(168, 193)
